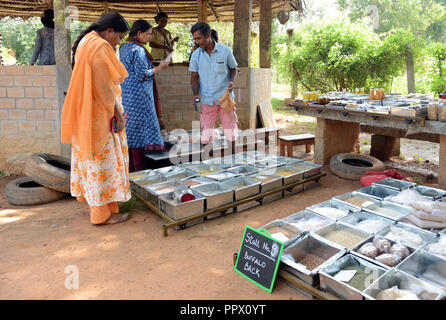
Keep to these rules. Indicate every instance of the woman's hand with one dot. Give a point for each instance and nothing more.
(163, 65)
(120, 123)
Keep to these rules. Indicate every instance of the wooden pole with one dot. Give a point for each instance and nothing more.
(62, 43)
(242, 31)
(265, 33)
(202, 10)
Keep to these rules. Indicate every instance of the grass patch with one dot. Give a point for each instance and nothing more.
(276, 103)
(4, 174)
(128, 206)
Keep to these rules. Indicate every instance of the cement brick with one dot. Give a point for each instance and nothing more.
(23, 81)
(16, 92)
(45, 126)
(33, 70)
(4, 115)
(41, 81)
(24, 103)
(49, 70)
(15, 70)
(6, 81)
(51, 115)
(6, 103)
(42, 103)
(33, 92)
(27, 126)
(35, 115)
(2, 92)
(8, 126)
(17, 114)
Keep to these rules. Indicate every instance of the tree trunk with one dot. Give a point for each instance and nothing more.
(410, 68)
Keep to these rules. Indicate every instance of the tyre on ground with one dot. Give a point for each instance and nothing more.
(353, 166)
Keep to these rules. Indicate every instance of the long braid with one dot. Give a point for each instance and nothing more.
(92, 27)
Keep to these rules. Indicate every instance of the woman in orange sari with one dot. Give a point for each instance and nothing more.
(99, 153)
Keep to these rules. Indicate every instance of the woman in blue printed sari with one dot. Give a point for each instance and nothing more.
(140, 97)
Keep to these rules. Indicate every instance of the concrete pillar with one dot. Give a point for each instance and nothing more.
(265, 33)
(62, 43)
(202, 11)
(384, 147)
(333, 137)
(242, 31)
(442, 162)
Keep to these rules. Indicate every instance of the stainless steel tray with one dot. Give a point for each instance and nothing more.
(300, 248)
(156, 190)
(282, 231)
(216, 195)
(289, 173)
(288, 160)
(409, 112)
(140, 184)
(389, 210)
(180, 210)
(171, 170)
(308, 221)
(355, 251)
(196, 181)
(403, 281)
(365, 199)
(408, 223)
(243, 186)
(267, 164)
(140, 174)
(222, 176)
(222, 162)
(378, 192)
(360, 235)
(268, 182)
(426, 266)
(426, 248)
(345, 290)
(357, 219)
(309, 169)
(431, 193)
(426, 237)
(395, 184)
(205, 169)
(332, 204)
(243, 169)
(183, 175)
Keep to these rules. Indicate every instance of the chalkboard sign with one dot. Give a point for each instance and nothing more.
(259, 257)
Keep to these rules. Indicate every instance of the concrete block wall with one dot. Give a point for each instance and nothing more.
(261, 90)
(29, 114)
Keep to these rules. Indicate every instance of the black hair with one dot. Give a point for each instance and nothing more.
(47, 18)
(214, 35)
(203, 27)
(109, 20)
(161, 15)
(139, 25)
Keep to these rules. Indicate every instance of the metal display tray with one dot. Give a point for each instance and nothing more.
(287, 231)
(344, 227)
(431, 193)
(355, 251)
(294, 175)
(378, 192)
(367, 200)
(332, 204)
(243, 186)
(169, 171)
(358, 217)
(221, 162)
(243, 169)
(216, 194)
(309, 169)
(344, 290)
(426, 266)
(288, 160)
(183, 175)
(267, 164)
(139, 185)
(205, 169)
(395, 184)
(406, 222)
(140, 174)
(301, 218)
(409, 112)
(426, 237)
(154, 191)
(271, 181)
(303, 245)
(180, 210)
(222, 176)
(403, 281)
(393, 211)
(198, 180)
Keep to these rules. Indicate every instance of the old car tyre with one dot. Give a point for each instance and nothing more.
(353, 166)
(26, 192)
(49, 170)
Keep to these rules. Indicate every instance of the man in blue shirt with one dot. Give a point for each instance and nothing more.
(213, 69)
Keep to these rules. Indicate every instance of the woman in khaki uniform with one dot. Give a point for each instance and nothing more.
(162, 42)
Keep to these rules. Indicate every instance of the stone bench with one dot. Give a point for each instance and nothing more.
(290, 141)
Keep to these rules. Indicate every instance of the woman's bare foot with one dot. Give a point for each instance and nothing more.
(116, 218)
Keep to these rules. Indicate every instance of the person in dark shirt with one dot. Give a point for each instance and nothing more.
(44, 46)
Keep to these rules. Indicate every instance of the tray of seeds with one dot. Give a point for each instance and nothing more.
(268, 182)
(170, 205)
(244, 187)
(140, 174)
(395, 184)
(288, 160)
(156, 190)
(367, 222)
(196, 181)
(378, 192)
(309, 169)
(426, 266)
(398, 285)
(222, 176)
(140, 184)
(308, 221)
(308, 254)
(409, 221)
(355, 199)
(289, 173)
(223, 163)
(388, 209)
(332, 209)
(282, 231)
(216, 194)
(408, 236)
(182, 175)
(243, 169)
(383, 252)
(431, 193)
(349, 276)
(343, 235)
(205, 169)
(267, 164)
(171, 170)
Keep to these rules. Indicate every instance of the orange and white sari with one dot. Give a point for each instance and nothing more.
(99, 157)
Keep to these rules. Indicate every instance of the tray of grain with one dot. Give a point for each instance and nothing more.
(309, 169)
(205, 169)
(332, 209)
(171, 170)
(140, 184)
(367, 221)
(382, 251)
(267, 164)
(343, 235)
(156, 190)
(268, 182)
(244, 187)
(396, 284)
(282, 231)
(243, 169)
(409, 111)
(140, 174)
(407, 235)
(308, 221)
(395, 184)
(388, 209)
(431, 193)
(365, 273)
(426, 266)
(308, 254)
(289, 173)
(180, 210)
(196, 181)
(378, 192)
(216, 194)
(288, 160)
(182, 175)
(355, 199)
(222, 176)
(222, 162)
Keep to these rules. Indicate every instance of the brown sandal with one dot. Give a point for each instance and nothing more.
(116, 218)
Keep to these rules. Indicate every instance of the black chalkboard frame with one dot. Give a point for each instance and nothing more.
(264, 233)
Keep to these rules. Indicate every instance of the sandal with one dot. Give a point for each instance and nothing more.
(116, 218)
